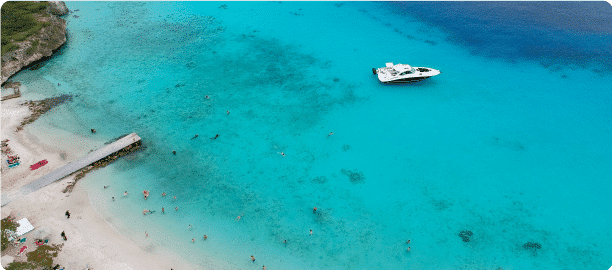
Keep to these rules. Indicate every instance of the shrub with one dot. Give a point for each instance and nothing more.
(18, 23)
(7, 224)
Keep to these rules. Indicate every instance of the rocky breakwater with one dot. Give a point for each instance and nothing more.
(31, 31)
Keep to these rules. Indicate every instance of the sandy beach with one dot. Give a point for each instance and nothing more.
(91, 240)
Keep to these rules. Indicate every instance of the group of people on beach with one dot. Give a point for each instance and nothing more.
(12, 158)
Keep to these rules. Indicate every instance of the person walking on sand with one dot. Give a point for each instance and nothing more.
(63, 234)
(67, 214)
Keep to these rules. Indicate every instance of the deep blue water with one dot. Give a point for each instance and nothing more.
(511, 141)
(551, 33)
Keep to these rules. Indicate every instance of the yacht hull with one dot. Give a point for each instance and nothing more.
(406, 80)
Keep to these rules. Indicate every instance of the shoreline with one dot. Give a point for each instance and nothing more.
(91, 239)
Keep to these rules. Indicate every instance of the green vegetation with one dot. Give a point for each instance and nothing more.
(41, 258)
(32, 48)
(18, 22)
(7, 224)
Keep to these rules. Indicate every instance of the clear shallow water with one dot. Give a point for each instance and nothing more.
(506, 147)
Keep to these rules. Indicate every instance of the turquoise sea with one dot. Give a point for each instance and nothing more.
(502, 161)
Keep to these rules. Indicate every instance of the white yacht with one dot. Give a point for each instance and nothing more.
(401, 73)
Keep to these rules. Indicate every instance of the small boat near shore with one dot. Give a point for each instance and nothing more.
(402, 73)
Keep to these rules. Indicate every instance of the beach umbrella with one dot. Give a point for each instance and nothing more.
(42, 233)
(6, 259)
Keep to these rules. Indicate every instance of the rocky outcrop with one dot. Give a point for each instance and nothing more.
(39, 45)
(58, 8)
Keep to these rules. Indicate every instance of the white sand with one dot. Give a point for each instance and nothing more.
(91, 240)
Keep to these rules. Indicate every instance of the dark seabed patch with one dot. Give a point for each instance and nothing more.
(320, 180)
(512, 145)
(561, 33)
(356, 177)
(346, 147)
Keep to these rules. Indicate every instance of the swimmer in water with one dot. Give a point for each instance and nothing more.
(176, 208)
(310, 232)
(314, 210)
(408, 242)
(238, 218)
(205, 237)
(331, 133)
(195, 136)
(164, 194)
(214, 138)
(125, 193)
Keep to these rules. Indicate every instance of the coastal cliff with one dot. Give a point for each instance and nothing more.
(44, 32)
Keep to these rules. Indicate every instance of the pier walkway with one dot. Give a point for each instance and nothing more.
(71, 168)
